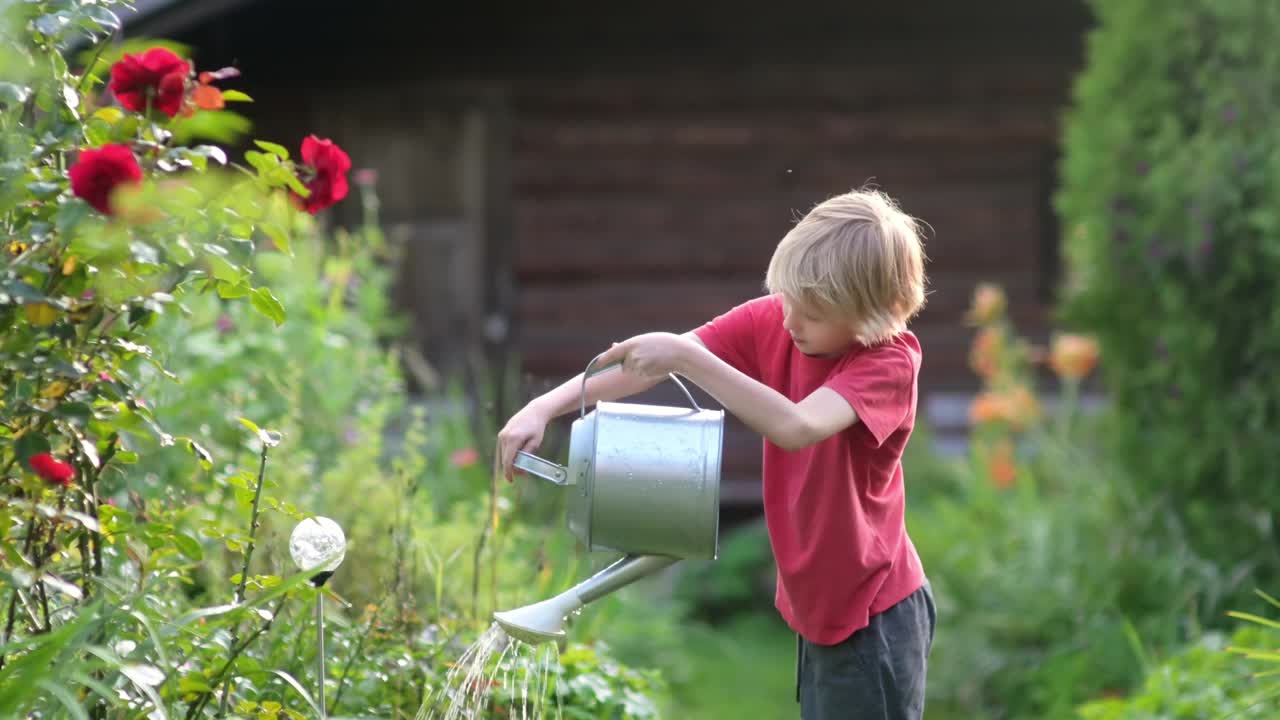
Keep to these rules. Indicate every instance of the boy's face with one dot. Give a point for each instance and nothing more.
(816, 331)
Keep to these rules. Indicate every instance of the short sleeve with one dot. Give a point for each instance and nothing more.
(879, 384)
(732, 337)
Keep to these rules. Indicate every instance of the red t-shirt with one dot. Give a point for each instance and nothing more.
(835, 509)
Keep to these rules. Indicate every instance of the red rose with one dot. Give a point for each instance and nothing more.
(52, 470)
(157, 74)
(329, 165)
(97, 173)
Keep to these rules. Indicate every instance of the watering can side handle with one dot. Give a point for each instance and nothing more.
(544, 469)
(589, 373)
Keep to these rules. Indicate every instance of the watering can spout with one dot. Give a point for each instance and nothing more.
(544, 621)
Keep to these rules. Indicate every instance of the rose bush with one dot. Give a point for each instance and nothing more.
(142, 572)
(111, 224)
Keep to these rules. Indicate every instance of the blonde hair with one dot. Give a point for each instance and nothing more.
(857, 255)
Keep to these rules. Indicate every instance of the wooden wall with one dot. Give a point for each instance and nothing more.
(576, 172)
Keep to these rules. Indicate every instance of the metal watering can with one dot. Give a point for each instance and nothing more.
(643, 480)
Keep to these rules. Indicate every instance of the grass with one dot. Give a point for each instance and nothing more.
(742, 669)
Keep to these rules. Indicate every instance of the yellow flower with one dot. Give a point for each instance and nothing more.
(55, 389)
(69, 265)
(17, 247)
(40, 314)
(989, 304)
(1073, 356)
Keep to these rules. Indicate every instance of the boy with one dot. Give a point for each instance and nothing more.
(825, 369)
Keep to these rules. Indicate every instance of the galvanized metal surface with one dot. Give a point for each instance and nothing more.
(655, 488)
(642, 479)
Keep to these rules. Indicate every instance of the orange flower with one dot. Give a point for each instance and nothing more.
(1001, 465)
(1073, 356)
(987, 407)
(984, 354)
(989, 303)
(1023, 406)
(1016, 407)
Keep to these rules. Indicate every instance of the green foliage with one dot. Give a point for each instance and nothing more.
(740, 580)
(1050, 590)
(204, 370)
(1204, 680)
(1170, 204)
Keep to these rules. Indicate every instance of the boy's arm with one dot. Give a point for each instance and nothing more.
(612, 385)
(524, 430)
(787, 424)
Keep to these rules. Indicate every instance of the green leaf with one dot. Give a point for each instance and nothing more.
(90, 450)
(28, 445)
(267, 304)
(206, 460)
(235, 96)
(14, 94)
(278, 236)
(232, 291)
(212, 152)
(73, 411)
(104, 18)
(188, 546)
(277, 150)
(66, 697)
(71, 98)
(295, 184)
(224, 270)
(195, 683)
(19, 681)
(20, 292)
(69, 215)
(190, 617)
(44, 190)
(1254, 619)
(261, 162)
(301, 691)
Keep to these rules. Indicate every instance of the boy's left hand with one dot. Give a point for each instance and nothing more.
(650, 355)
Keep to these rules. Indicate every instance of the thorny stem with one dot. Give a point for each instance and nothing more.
(253, 526)
(95, 539)
(13, 598)
(236, 649)
(244, 568)
(42, 556)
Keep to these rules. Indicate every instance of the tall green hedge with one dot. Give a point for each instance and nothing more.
(1171, 214)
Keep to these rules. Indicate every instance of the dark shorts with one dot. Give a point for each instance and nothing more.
(878, 673)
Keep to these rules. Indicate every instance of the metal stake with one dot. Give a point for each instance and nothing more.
(320, 647)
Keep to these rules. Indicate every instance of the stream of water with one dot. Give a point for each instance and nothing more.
(498, 676)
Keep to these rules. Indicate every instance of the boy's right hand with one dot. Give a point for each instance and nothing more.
(522, 432)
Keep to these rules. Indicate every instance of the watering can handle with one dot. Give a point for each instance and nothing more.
(582, 409)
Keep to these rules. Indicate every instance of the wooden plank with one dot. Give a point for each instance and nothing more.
(980, 226)
(687, 301)
(790, 167)
(832, 85)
